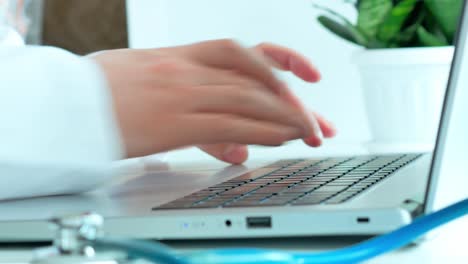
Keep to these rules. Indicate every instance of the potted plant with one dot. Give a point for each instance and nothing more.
(405, 64)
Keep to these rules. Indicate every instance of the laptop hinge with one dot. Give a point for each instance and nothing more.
(414, 207)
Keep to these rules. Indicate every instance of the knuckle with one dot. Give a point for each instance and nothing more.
(168, 66)
(260, 88)
(279, 138)
(268, 137)
(230, 128)
(246, 83)
(263, 44)
(246, 97)
(229, 45)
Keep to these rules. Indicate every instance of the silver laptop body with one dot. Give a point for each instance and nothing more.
(174, 202)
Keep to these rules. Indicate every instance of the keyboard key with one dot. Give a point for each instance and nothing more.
(272, 189)
(255, 174)
(240, 190)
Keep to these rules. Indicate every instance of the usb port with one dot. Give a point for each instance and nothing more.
(259, 222)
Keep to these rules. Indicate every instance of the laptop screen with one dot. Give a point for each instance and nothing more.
(456, 80)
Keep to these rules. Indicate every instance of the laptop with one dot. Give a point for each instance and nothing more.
(346, 195)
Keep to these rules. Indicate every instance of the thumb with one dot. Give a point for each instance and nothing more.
(230, 153)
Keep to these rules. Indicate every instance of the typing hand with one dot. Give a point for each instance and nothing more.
(204, 94)
(287, 60)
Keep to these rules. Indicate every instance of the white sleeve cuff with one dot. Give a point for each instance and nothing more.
(58, 130)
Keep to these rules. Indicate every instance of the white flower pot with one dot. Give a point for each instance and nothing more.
(403, 91)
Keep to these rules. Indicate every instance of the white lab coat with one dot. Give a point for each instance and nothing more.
(58, 134)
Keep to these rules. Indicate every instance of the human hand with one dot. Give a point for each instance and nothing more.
(206, 93)
(287, 60)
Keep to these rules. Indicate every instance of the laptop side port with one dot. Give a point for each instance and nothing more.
(363, 220)
(258, 222)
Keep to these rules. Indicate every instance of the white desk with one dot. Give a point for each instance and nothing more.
(447, 245)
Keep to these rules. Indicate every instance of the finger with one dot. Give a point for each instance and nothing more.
(211, 76)
(168, 72)
(293, 100)
(219, 128)
(262, 105)
(226, 54)
(199, 76)
(328, 129)
(252, 103)
(290, 60)
(315, 139)
(230, 153)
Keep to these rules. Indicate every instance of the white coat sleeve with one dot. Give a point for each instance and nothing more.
(58, 134)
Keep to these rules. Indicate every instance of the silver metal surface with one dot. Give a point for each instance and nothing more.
(73, 233)
(71, 243)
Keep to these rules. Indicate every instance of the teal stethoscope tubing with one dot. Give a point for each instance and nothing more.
(159, 253)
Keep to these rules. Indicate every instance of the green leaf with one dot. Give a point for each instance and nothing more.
(346, 30)
(428, 39)
(358, 2)
(337, 28)
(355, 34)
(447, 13)
(371, 14)
(407, 36)
(395, 20)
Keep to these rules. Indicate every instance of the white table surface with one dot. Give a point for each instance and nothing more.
(447, 245)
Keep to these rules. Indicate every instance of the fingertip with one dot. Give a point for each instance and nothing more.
(313, 141)
(305, 70)
(236, 156)
(328, 128)
(289, 60)
(330, 133)
(318, 76)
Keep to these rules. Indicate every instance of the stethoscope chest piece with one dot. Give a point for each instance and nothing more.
(72, 243)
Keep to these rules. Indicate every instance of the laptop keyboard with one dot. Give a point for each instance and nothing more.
(297, 182)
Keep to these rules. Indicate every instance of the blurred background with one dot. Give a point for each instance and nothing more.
(81, 26)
